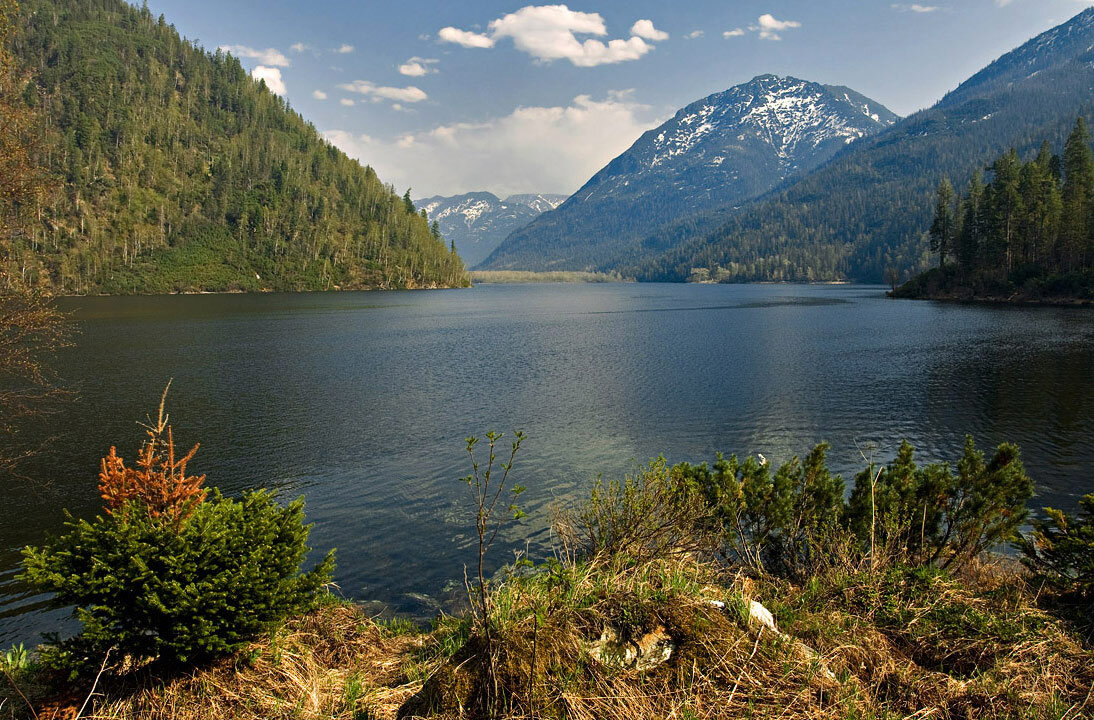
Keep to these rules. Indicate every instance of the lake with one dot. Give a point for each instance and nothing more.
(361, 402)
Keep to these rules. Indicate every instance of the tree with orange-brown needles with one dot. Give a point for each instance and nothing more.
(159, 482)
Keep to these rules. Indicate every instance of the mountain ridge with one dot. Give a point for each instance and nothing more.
(867, 209)
(725, 148)
(476, 222)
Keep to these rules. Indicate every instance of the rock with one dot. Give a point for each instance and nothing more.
(654, 648)
(810, 655)
(757, 613)
(645, 653)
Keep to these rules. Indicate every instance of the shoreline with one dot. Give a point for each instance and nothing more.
(1012, 301)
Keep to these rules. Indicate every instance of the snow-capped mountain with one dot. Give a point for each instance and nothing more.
(478, 221)
(867, 209)
(719, 151)
(538, 202)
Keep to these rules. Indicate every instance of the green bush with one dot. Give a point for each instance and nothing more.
(1061, 550)
(769, 522)
(929, 514)
(785, 522)
(151, 588)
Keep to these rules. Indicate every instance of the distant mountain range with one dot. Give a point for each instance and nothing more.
(777, 180)
(478, 221)
(724, 149)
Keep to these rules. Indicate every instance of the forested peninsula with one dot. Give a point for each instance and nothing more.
(172, 170)
(1027, 235)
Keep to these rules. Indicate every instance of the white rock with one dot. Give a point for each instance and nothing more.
(758, 613)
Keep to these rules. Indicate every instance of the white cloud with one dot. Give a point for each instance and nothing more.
(532, 149)
(417, 66)
(299, 47)
(464, 37)
(348, 102)
(645, 29)
(549, 32)
(409, 94)
(769, 28)
(271, 76)
(269, 56)
(733, 33)
(916, 8)
(318, 94)
(344, 49)
(694, 34)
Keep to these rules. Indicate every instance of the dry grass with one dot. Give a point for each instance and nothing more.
(332, 664)
(887, 645)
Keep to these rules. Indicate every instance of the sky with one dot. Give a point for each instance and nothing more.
(447, 97)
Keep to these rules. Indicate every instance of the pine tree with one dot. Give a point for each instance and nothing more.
(1078, 195)
(945, 222)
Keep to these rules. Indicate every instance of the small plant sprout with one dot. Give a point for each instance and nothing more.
(487, 489)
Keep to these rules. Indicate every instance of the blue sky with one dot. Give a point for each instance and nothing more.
(449, 97)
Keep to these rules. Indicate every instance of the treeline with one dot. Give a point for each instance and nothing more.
(1031, 224)
(180, 172)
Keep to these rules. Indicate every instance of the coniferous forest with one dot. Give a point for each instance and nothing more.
(178, 172)
(1028, 231)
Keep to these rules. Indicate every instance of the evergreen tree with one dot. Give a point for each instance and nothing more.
(945, 223)
(1078, 194)
(1029, 229)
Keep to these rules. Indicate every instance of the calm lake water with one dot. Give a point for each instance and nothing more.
(361, 402)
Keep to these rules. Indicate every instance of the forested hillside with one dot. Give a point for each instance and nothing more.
(868, 209)
(177, 171)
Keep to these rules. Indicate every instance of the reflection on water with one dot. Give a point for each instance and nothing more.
(361, 402)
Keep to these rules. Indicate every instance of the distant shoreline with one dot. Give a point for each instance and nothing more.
(1014, 300)
(489, 277)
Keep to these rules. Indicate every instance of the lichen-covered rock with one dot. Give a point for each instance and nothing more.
(644, 653)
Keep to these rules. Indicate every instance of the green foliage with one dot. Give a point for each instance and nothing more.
(1034, 222)
(788, 521)
(770, 521)
(151, 591)
(14, 660)
(181, 173)
(1061, 550)
(651, 514)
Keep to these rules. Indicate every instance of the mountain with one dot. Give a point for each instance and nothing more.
(177, 171)
(716, 152)
(539, 202)
(478, 221)
(869, 208)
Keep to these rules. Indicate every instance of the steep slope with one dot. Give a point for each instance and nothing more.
(869, 208)
(477, 222)
(721, 150)
(180, 172)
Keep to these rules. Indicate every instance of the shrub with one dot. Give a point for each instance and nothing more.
(179, 581)
(1061, 550)
(769, 522)
(785, 522)
(652, 514)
